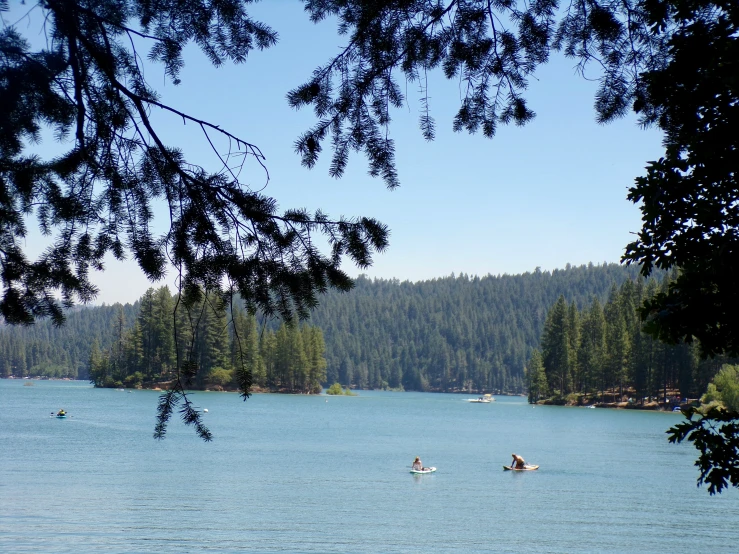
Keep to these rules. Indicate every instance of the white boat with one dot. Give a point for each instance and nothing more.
(423, 471)
(486, 399)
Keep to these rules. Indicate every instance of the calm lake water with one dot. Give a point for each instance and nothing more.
(299, 474)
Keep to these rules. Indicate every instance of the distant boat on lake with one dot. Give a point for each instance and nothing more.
(486, 399)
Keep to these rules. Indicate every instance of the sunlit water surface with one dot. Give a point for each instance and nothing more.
(330, 474)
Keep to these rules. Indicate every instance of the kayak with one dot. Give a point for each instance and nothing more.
(61, 416)
(525, 468)
(423, 471)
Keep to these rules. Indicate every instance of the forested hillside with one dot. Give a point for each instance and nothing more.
(222, 344)
(599, 353)
(43, 349)
(452, 333)
(447, 334)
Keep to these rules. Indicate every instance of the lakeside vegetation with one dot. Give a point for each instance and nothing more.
(453, 334)
(337, 390)
(217, 339)
(599, 354)
(723, 390)
(564, 337)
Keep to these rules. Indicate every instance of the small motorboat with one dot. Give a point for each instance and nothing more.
(524, 468)
(423, 471)
(485, 399)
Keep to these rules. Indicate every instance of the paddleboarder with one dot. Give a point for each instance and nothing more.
(518, 462)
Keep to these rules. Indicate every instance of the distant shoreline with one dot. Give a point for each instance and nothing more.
(158, 387)
(161, 387)
(654, 405)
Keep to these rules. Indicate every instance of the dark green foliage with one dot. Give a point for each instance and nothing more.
(618, 340)
(491, 48)
(716, 436)
(45, 350)
(689, 197)
(98, 196)
(613, 353)
(218, 347)
(536, 378)
(450, 334)
(190, 415)
(167, 403)
(558, 355)
(674, 62)
(592, 348)
(245, 359)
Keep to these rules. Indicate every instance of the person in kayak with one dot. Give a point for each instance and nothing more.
(417, 465)
(61, 413)
(518, 462)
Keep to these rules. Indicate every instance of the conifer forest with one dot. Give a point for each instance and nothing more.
(555, 333)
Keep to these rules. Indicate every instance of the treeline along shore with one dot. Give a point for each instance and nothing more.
(452, 334)
(599, 354)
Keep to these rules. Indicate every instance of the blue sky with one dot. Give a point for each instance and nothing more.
(549, 193)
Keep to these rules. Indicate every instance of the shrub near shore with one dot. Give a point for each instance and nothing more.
(336, 390)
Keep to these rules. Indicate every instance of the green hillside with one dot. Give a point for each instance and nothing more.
(447, 334)
(452, 333)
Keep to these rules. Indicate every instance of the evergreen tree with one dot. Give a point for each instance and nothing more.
(591, 351)
(117, 359)
(214, 334)
(537, 378)
(97, 369)
(268, 351)
(573, 335)
(556, 347)
(146, 324)
(315, 354)
(617, 344)
(156, 322)
(245, 355)
(133, 358)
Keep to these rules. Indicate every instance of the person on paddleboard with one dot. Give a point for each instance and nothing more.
(518, 462)
(417, 465)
